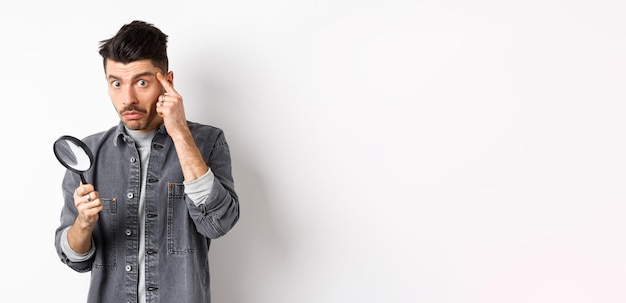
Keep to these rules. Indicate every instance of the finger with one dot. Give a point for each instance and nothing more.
(83, 189)
(167, 86)
(82, 195)
(92, 196)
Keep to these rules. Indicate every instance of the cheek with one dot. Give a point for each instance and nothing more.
(118, 107)
(114, 95)
(116, 101)
(151, 99)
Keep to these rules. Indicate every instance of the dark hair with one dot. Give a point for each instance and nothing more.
(137, 40)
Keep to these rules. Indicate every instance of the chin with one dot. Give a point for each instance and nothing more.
(134, 125)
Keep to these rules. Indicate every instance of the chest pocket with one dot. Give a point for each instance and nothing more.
(182, 237)
(105, 233)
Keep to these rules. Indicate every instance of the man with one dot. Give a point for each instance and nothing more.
(160, 188)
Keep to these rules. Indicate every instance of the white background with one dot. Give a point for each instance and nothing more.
(384, 151)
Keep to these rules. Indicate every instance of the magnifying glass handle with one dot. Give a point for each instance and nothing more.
(82, 178)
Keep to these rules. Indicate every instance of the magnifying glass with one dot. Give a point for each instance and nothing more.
(74, 155)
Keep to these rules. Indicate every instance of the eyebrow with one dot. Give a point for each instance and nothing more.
(134, 77)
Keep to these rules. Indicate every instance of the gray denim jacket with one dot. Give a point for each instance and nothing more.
(178, 233)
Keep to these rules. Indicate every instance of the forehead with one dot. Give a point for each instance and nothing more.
(132, 70)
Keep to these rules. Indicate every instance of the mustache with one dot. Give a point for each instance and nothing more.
(132, 108)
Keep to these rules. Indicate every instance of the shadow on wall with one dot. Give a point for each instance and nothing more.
(253, 249)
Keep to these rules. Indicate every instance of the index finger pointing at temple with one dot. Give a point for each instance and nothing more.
(167, 86)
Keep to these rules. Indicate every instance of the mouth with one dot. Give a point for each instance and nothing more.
(132, 115)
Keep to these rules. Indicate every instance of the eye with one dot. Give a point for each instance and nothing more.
(115, 84)
(142, 82)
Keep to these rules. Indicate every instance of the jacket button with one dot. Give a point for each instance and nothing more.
(128, 268)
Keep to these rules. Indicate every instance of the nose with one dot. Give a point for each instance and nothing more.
(129, 96)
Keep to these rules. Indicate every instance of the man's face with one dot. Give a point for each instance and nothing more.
(134, 91)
